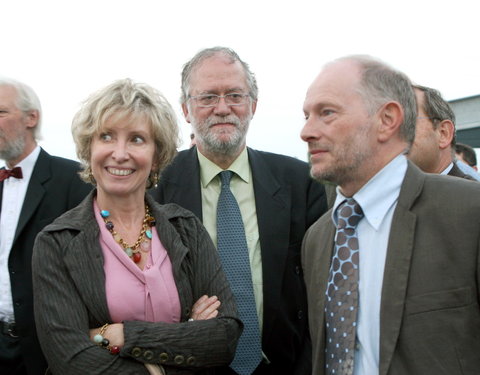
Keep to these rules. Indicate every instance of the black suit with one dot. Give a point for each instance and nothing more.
(54, 188)
(287, 202)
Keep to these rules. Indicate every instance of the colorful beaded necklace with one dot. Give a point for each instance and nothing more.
(143, 242)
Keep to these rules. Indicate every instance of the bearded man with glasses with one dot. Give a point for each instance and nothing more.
(277, 200)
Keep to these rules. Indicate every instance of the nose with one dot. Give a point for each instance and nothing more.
(120, 152)
(309, 131)
(222, 109)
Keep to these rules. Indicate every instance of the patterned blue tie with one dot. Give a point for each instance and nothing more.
(342, 292)
(233, 250)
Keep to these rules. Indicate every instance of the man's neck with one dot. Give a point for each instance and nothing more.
(222, 160)
(446, 159)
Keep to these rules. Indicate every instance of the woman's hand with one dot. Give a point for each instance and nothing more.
(113, 333)
(205, 308)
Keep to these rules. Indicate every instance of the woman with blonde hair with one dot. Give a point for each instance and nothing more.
(123, 285)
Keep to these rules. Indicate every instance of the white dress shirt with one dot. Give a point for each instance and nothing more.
(14, 191)
(378, 199)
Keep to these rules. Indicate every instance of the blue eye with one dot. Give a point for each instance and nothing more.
(106, 137)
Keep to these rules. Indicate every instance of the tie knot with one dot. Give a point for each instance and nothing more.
(349, 213)
(226, 176)
(6, 173)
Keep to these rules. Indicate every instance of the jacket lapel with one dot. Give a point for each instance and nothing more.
(397, 266)
(84, 257)
(273, 216)
(318, 281)
(35, 191)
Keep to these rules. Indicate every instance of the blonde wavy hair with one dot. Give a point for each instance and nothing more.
(126, 99)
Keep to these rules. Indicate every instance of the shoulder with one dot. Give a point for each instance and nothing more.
(276, 159)
(185, 156)
(58, 161)
(56, 165)
(171, 211)
(432, 192)
(460, 188)
(281, 165)
(79, 218)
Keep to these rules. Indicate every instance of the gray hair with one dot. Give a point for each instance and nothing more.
(27, 100)
(206, 53)
(126, 98)
(381, 83)
(437, 108)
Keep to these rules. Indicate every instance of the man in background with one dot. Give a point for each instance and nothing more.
(433, 149)
(392, 271)
(277, 201)
(466, 154)
(35, 188)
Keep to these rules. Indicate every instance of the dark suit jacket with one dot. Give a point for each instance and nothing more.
(457, 172)
(54, 188)
(430, 313)
(287, 201)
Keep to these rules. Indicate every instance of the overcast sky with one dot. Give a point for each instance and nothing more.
(67, 49)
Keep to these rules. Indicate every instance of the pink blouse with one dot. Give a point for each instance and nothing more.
(134, 294)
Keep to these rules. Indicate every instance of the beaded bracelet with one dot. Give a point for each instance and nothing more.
(104, 342)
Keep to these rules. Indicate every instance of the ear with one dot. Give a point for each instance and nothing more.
(445, 130)
(254, 106)
(186, 113)
(391, 117)
(32, 118)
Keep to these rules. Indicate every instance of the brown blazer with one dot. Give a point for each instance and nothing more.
(430, 313)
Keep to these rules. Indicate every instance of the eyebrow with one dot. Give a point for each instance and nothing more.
(230, 90)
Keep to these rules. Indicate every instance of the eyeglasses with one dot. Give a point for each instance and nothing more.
(211, 100)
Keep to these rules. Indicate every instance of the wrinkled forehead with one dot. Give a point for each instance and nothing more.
(218, 72)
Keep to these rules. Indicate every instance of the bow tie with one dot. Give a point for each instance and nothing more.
(6, 173)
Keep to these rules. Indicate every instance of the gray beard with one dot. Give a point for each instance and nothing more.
(213, 145)
(13, 149)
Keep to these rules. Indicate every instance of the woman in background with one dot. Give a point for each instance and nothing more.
(123, 285)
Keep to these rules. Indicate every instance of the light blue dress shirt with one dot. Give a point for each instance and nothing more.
(378, 199)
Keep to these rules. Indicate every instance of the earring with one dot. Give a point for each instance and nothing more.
(155, 179)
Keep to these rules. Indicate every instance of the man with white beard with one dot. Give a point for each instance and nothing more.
(35, 188)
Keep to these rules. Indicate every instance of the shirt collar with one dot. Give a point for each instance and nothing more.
(209, 170)
(378, 195)
(448, 169)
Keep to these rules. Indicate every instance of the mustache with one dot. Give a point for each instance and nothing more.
(231, 119)
(318, 146)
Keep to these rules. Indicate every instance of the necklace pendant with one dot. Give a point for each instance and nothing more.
(148, 233)
(109, 225)
(104, 213)
(145, 246)
(137, 257)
